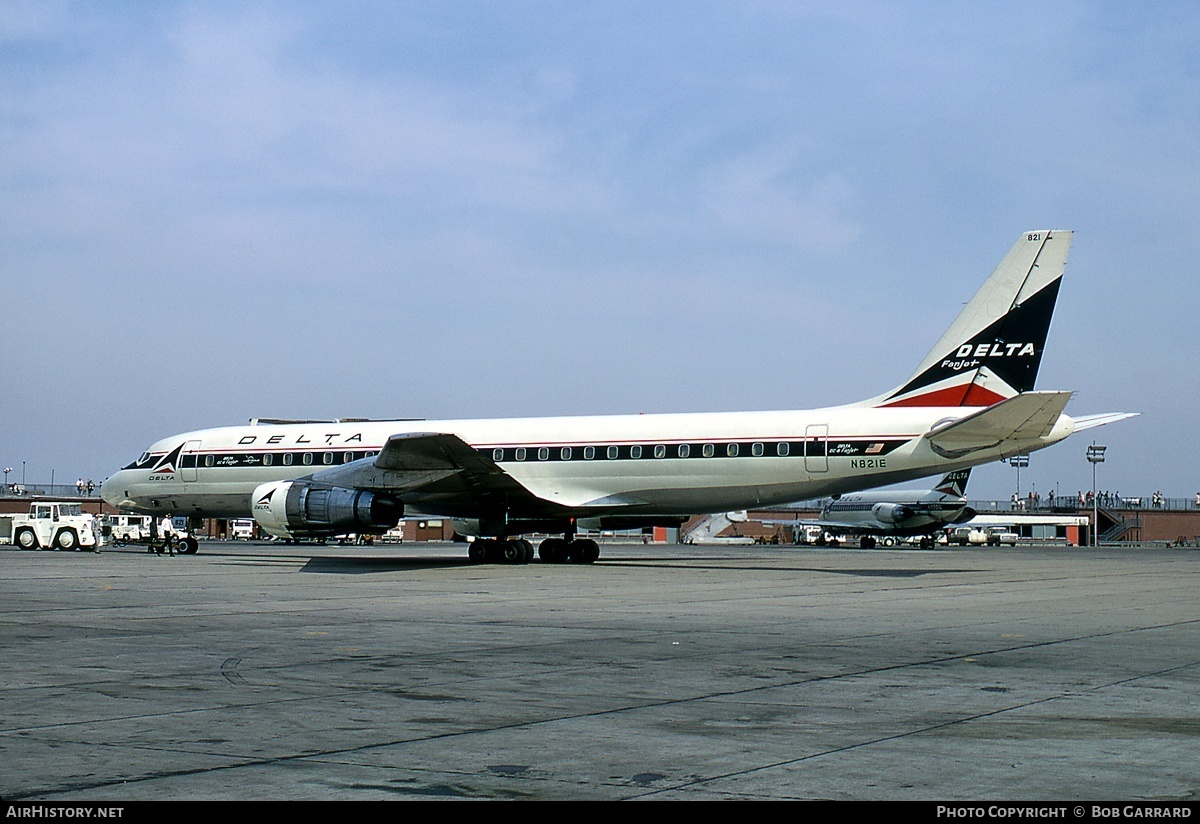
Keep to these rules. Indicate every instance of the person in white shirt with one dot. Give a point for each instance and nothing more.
(166, 531)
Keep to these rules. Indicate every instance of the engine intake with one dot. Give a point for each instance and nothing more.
(891, 513)
(300, 509)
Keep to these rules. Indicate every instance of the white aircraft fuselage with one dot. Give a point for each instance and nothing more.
(579, 466)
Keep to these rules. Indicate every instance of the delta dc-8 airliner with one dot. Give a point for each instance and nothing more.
(969, 402)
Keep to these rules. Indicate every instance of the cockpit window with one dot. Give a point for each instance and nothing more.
(141, 462)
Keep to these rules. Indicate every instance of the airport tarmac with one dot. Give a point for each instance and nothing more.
(256, 671)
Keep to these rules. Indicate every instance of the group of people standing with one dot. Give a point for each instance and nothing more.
(1033, 500)
(1102, 498)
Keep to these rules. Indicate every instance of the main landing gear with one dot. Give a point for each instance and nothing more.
(577, 551)
(520, 551)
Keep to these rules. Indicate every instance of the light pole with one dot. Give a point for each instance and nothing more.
(1095, 455)
(1019, 461)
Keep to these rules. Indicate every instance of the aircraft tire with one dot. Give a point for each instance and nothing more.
(478, 551)
(189, 546)
(584, 551)
(513, 551)
(554, 551)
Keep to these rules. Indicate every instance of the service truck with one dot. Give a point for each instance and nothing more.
(977, 536)
(52, 525)
(125, 529)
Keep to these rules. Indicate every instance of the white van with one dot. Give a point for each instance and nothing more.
(126, 529)
(241, 529)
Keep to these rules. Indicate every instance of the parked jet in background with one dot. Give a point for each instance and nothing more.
(968, 403)
(889, 514)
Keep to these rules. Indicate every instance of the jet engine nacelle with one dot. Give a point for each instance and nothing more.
(302, 509)
(967, 514)
(891, 513)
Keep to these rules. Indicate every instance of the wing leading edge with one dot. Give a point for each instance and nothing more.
(430, 465)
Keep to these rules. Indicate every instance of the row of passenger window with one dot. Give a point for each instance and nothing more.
(635, 451)
(275, 459)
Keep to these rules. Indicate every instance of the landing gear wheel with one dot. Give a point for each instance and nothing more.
(27, 540)
(584, 551)
(67, 540)
(553, 551)
(867, 542)
(516, 551)
(479, 550)
(189, 546)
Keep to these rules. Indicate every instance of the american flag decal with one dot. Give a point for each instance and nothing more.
(875, 449)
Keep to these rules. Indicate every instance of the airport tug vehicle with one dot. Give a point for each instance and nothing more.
(52, 525)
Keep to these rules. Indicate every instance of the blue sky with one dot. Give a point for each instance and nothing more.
(211, 212)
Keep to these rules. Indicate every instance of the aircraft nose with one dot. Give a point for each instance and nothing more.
(112, 490)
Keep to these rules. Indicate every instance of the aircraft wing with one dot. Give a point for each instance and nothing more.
(1025, 417)
(428, 464)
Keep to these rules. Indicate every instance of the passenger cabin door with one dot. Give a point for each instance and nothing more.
(189, 459)
(816, 448)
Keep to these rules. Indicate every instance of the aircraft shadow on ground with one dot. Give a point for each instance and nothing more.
(358, 565)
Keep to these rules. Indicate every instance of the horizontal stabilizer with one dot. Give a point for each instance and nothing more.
(1025, 417)
(1092, 421)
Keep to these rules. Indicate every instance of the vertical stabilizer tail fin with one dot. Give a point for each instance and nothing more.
(955, 484)
(994, 347)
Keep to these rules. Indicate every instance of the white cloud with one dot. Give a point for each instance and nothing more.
(766, 196)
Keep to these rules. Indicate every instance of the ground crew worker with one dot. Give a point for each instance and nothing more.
(168, 535)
